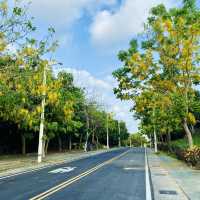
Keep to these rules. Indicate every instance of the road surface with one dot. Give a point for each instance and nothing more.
(117, 175)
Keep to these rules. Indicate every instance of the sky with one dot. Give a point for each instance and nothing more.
(90, 34)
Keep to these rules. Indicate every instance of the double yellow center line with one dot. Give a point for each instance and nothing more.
(74, 179)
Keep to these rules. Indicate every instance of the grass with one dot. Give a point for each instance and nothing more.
(183, 143)
(170, 154)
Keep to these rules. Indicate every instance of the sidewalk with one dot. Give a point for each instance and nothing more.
(186, 177)
(164, 187)
(16, 164)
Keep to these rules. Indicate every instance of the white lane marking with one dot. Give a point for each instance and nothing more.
(133, 168)
(74, 179)
(50, 165)
(62, 170)
(148, 187)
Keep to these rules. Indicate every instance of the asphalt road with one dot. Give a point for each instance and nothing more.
(117, 175)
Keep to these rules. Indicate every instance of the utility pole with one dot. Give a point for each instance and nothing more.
(107, 131)
(155, 141)
(87, 134)
(42, 117)
(119, 138)
(130, 143)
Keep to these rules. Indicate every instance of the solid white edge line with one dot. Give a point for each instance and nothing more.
(148, 187)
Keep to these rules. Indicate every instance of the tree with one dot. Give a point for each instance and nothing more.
(25, 65)
(137, 140)
(33, 99)
(165, 63)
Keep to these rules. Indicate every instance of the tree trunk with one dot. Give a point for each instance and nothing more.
(23, 144)
(155, 141)
(169, 140)
(93, 134)
(192, 129)
(168, 137)
(161, 139)
(188, 133)
(97, 142)
(46, 146)
(86, 142)
(59, 144)
(80, 141)
(70, 142)
(43, 148)
(93, 137)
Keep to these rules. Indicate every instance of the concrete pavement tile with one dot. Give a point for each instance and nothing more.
(164, 186)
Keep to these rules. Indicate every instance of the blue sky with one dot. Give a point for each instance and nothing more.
(90, 33)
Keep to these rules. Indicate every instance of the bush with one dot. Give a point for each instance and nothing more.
(181, 150)
(192, 156)
(173, 149)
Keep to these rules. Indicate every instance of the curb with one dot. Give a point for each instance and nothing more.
(149, 189)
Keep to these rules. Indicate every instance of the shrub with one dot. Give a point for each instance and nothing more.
(181, 150)
(192, 156)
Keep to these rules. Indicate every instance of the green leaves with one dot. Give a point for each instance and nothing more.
(17, 11)
(4, 7)
(189, 4)
(27, 78)
(30, 26)
(159, 10)
(160, 79)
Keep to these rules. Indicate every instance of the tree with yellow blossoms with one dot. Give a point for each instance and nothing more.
(165, 63)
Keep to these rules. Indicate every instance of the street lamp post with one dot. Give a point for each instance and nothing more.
(87, 134)
(42, 116)
(119, 138)
(155, 140)
(130, 143)
(41, 133)
(107, 130)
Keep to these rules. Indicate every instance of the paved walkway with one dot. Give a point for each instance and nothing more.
(17, 164)
(164, 186)
(187, 178)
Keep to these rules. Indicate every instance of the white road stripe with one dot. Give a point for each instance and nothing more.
(74, 179)
(50, 165)
(148, 187)
(62, 170)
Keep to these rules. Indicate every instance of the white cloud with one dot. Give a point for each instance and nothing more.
(65, 40)
(102, 91)
(111, 28)
(64, 12)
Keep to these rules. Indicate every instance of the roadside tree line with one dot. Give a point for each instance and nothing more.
(34, 98)
(161, 73)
